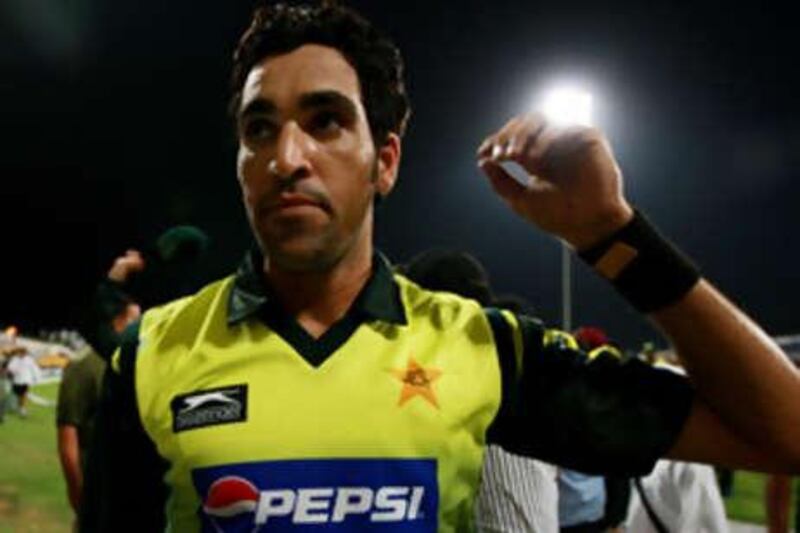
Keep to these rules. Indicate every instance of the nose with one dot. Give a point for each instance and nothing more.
(292, 150)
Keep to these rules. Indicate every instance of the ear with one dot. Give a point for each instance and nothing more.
(388, 164)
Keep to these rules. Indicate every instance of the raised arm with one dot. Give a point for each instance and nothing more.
(746, 411)
(103, 319)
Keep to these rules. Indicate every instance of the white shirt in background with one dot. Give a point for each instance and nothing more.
(24, 370)
(684, 496)
(517, 494)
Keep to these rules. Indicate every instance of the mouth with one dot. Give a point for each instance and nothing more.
(290, 202)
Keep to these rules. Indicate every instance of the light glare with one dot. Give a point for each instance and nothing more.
(568, 107)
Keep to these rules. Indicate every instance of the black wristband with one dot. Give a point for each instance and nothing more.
(645, 267)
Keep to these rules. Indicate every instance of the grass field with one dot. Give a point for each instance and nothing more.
(747, 502)
(33, 498)
(32, 494)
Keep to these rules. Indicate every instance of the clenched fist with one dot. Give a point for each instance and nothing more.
(125, 265)
(574, 190)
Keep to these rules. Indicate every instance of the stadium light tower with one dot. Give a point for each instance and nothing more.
(567, 106)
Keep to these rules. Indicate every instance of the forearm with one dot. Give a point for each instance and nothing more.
(738, 371)
(69, 456)
(742, 378)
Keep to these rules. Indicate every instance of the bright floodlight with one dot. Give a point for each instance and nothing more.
(568, 107)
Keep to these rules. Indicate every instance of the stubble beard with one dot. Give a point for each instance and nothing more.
(323, 250)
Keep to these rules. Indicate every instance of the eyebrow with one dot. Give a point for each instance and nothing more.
(312, 100)
(258, 106)
(327, 98)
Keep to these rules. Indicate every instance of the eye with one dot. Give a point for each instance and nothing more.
(258, 129)
(326, 123)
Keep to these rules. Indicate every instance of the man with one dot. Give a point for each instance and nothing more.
(5, 385)
(78, 396)
(314, 388)
(167, 268)
(24, 373)
(676, 495)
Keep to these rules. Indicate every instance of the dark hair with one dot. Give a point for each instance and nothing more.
(451, 271)
(280, 28)
(459, 273)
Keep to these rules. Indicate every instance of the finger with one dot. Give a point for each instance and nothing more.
(535, 156)
(493, 147)
(504, 137)
(559, 150)
(486, 147)
(528, 151)
(512, 141)
(490, 148)
(502, 182)
(525, 135)
(483, 149)
(574, 140)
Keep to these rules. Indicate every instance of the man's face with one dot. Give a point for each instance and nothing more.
(307, 164)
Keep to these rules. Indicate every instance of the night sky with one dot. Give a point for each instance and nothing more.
(114, 128)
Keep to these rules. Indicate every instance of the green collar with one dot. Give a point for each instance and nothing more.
(379, 299)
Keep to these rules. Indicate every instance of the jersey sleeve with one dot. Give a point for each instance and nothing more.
(69, 408)
(597, 413)
(124, 487)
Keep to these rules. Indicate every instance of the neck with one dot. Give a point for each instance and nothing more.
(318, 300)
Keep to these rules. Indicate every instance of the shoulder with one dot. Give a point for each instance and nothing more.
(191, 307)
(448, 309)
(161, 320)
(73, 371)
(445, 308)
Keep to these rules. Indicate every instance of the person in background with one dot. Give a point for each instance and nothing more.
(725, 479)
(778, 501)
(4, 386)
(159, 272)
(79, 395)
(166, 270)
(24, 373)
(589, 503)
(677, 495)
(581, 502)
(516, 493)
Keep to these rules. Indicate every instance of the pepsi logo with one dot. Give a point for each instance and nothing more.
(332, 495)
(231, 496)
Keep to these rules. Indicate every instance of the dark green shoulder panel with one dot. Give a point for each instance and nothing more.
(124, 361)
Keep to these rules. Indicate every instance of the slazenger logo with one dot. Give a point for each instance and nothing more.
(303, 494)
(209, 407)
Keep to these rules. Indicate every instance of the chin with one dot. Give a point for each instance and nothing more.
(302, 257)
